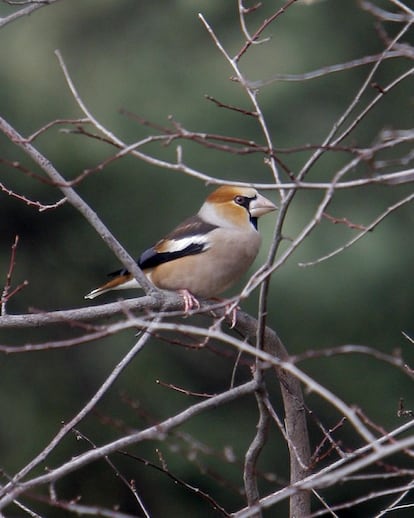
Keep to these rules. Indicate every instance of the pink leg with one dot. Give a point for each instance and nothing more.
(189, 301)
(233, 315)
(228, 311)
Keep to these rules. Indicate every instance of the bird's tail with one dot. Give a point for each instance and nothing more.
(120, 282)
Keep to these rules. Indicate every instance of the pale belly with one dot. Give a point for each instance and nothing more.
(210, 273)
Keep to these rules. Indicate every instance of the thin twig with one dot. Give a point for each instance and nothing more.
(253, 453)
(197, 491)
(368, 228)
(11, 491)
(31, 6)
(331, 69)
(233, 62)
(13, 485)
(263, 26)
(130, 485)
(41, 207)
(6, 294)
(76, 201)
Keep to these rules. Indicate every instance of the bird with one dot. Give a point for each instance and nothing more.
(207, 253)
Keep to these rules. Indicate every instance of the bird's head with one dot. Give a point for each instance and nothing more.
(235, 206)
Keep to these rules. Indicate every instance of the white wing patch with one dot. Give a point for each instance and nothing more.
(178, 245)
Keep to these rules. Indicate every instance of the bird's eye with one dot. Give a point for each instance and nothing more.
(240, 200)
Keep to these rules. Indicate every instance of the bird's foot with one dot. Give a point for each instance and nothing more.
(190, 301)
(230, 311)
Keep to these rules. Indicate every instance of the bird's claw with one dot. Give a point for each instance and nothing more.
(231, 311)
(190, 301)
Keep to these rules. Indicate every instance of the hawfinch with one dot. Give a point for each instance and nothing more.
(208, 252)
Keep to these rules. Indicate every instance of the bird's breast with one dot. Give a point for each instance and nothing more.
(229, 255)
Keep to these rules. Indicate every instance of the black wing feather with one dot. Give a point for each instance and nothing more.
(150, 258)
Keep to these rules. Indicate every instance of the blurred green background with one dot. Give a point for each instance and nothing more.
(156, 59)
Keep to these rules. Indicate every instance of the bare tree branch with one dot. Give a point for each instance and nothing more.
(31, 6)
(13, 490)
(348, 445)
(74, 199)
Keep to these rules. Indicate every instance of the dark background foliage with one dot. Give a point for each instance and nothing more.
(155, 59)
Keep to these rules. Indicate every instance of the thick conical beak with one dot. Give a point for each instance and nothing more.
(261, 205)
